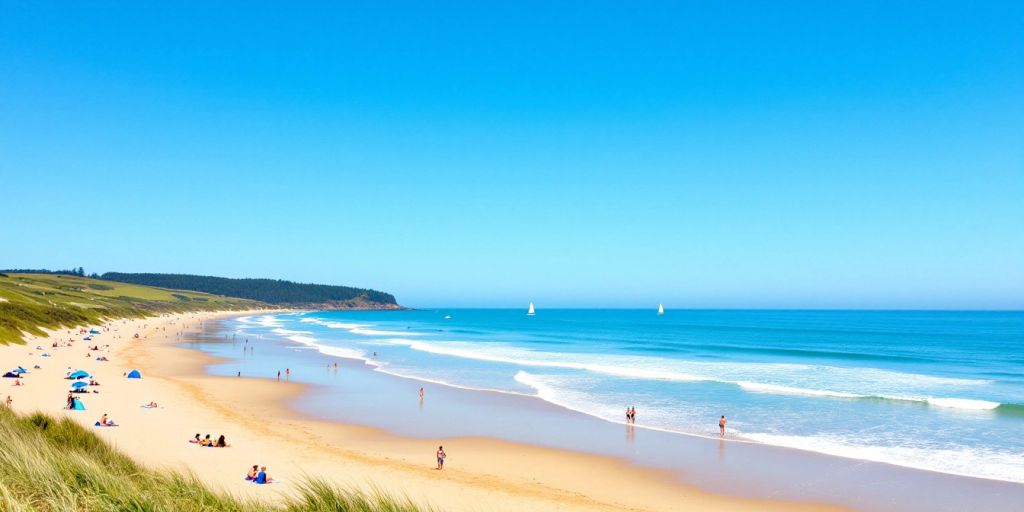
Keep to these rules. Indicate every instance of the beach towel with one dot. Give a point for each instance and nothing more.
(147, 406)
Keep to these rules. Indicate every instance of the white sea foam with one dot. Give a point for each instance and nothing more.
(311, 342)
(963, 403)
(757, 387)
(268, 321)
(302, 339)
(362, 329)
(964, 461)
(279, 330)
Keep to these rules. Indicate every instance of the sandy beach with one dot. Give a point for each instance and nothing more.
(481, 474)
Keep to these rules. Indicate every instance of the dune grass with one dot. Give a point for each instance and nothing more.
(31, 302)
(49, 464)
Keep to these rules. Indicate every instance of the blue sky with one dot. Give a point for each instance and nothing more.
(702, 154)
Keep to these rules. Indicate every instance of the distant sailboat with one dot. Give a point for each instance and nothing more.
(531, 312)
(661, 309)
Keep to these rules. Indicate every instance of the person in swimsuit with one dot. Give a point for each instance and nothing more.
(721, 426)
(421, 393)
(440, 457)
(251, 475)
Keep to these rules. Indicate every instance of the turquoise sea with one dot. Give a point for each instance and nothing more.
(934, 390)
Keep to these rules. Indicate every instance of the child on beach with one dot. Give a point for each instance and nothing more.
(251, 475)
(440, 457)
(262, 477)
(721, 426)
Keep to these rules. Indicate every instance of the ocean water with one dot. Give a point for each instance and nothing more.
(939, 391)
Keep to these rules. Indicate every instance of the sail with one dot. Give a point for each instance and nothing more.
(531, 312)
(661, 309)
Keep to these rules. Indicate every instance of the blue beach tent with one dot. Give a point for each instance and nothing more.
(79, 384)
(134, 374)
(78, 405)
(78, 375)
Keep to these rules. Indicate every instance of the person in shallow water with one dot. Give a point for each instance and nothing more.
(721, 426)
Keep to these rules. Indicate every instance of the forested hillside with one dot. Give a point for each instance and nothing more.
(271, 291)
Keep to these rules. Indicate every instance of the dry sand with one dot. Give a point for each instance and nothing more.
(481, 474)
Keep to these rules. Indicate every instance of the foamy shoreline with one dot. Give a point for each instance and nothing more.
(482, 474)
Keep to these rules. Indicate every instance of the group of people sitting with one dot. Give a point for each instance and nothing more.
(258, 475)
(210, 443)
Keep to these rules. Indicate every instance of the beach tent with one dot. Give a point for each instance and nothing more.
(20, 370)
(11, 375)
(87, 338)
(134, 374)
(78, 375)
(79, 384)
(78, 405)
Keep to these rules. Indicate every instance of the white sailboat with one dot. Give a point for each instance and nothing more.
(661, 309)
(531, 312)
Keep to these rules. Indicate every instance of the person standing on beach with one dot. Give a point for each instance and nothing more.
(721, 426)
(421, 393)
(287, 374)
(8, 402)
(279, 375)
(440, 457)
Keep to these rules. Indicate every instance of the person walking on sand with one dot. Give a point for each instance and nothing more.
(632, 414)
(440, 457)
(721, 426)
(8, 402)
(279, 375)
(287, 374)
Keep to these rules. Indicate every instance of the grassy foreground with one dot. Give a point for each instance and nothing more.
(29, 302)
(55, 465)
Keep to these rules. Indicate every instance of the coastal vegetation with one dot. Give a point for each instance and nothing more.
(49, 464)
(270, 291)
(30, 302)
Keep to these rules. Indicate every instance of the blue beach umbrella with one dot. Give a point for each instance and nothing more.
(78, 375)
(79, 384)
